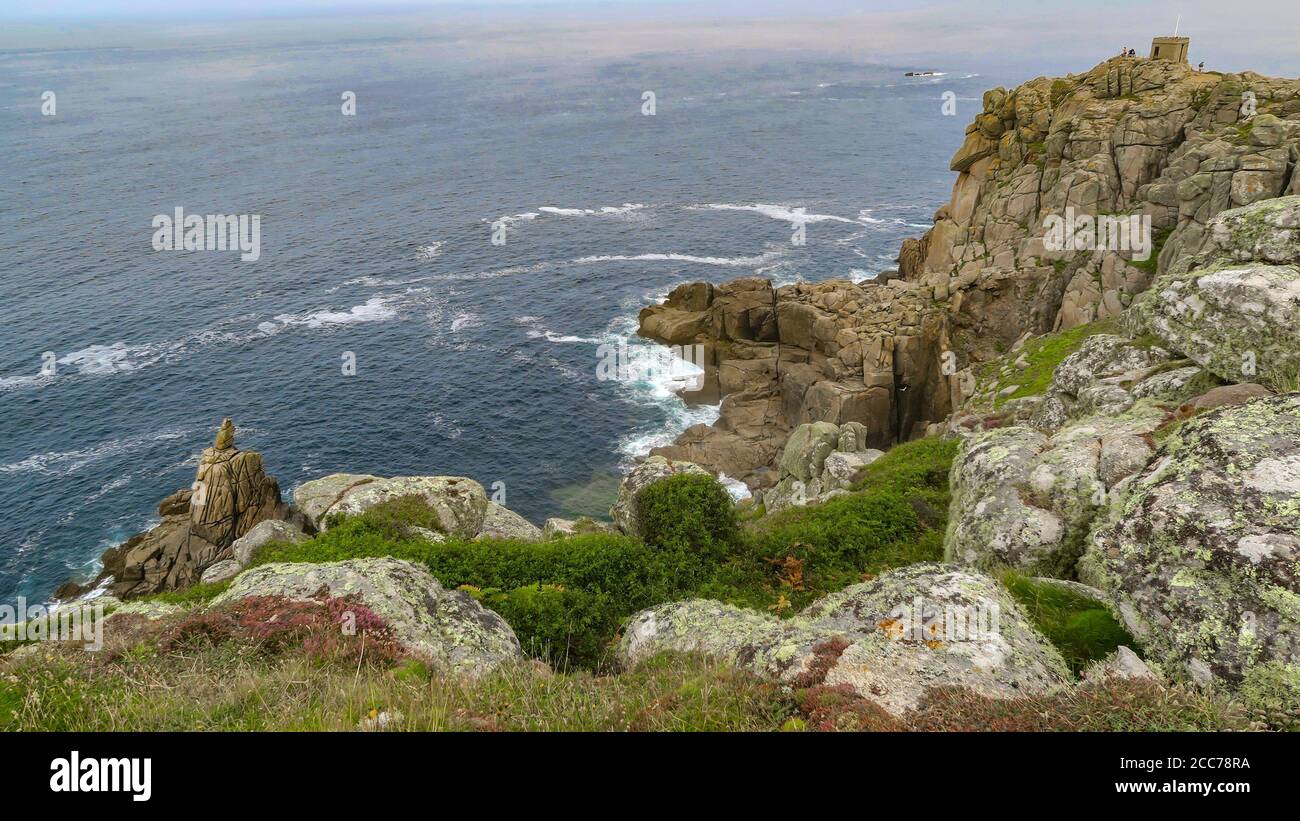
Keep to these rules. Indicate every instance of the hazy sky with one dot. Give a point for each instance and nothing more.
(1263, 35)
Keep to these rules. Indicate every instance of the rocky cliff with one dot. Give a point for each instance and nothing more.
(1145, 139)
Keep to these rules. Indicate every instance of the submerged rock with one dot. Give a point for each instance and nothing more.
(888, 639)
(446, 627)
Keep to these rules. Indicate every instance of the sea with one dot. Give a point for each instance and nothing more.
(439, 270)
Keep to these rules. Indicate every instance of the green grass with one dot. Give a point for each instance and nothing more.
(225, 688)
(1081, 629)
(1044, 354)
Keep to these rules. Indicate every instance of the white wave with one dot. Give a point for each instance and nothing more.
(64, 463)
(537, 331)
(375, 309)
(429, 252)
(447, 427)
(377, 282)
(727, 261)
(464, 320)
(15, 382)
(98, 359)
(608, 210)
(784, 213)
(864, 216)
(656, 387)
(738, 489)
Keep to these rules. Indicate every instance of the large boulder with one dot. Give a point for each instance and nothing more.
(446, 627)
(888, 640)
(1242, 322)
(460, 503)
(262, 534)
(645, 474)
(1267, 232)
(1107, 374)
(1027, 500)
(1201, 550)
(500, 522)
(821, 460)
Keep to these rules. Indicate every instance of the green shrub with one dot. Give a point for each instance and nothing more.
(564, 598)
(688, 511)
(194, 594)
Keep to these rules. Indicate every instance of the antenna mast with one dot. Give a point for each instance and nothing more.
(1178, 25)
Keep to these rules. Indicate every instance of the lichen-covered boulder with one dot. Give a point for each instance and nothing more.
(446, 627)
(1240, 322)
(1027, 500)
(1201, 550)
(842, 469)
(888, 639)
(460, 503)
(645, 474)
(500, 522)
(1266, 231)
(820, 461)
(315, 498)
(262, 534)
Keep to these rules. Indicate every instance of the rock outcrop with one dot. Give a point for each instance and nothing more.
(888, 639)
(1134, 138)
(834, 352)
(1148, 138)
(446, 627)
(231, 494)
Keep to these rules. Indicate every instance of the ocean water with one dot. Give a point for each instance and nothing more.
(471, 358)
